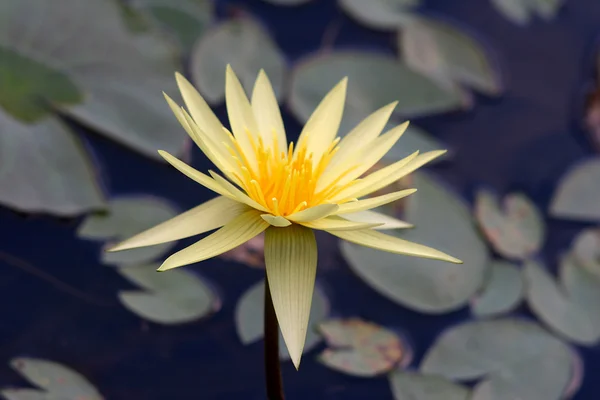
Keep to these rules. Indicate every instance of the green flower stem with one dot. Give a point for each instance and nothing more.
(272, 363)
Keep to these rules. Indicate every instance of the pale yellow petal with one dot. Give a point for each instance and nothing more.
(203, 218)
(322, 126)
(267, 114)
(314, 213)
(237, 193)
(277, 221)
(238, 231)
(381, 241)
(196, 175)
(241, 117)
(291, 263)
(366, 204)
(370, 216)
(334, 223)
(201, 112)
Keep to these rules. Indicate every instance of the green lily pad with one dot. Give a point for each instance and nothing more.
(582, 287)
(586, 250)
(503, 291)
(360, 348)
(244, 44)
(186, 20)
(407, 385)
(56, 380)
(374, 81)
(447, 55)
(249, 314)
(517, 230)
(444, 222)
(53, 175)
(30, 88)
(516, 356)
(559, 308)
(380, 14)
(126, 217)
(578, 194)
(173, 297)
(520, 12)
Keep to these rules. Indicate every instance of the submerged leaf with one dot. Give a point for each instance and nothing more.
(516, 231)
(127, 216)
(577, 196)
(249, 313)
(360, 348)
(380, 14)
(413, 386)
(173, 297)
(442, 221)
(447, 55)
(245, 45)
(516, 356)
(559, 309)
(59, 381)
(503, 291)
(374, 81)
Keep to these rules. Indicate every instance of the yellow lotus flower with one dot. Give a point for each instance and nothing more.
(286, 190)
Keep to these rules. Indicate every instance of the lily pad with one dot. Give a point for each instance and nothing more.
(503, 291)
(582, 286)
(244, 44)
(374, 81)
(173, 297)
(56, 380)
(125, 217)
(360, 348)
(186, 20)
(578, 194)
(380, 14)
(517, 230)
(448, 55)
(249, 313)
(53, 175)
(520, 12)
(586, 250)
(516, 356)
(559, 308)
(407, 385)
(444, 222)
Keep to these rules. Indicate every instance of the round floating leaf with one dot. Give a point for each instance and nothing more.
(44, 168)
(515, 355)
(517, 231)
(186, 20)
(380, 14)
(586, 250)
(444, 222)
(245, 45)
(578, 194)
(444, 53)
(126, 217)
(502, 292)
(557, 309)
(249, 314)
(360, 348)
(374, 81)
(24, 394)
(59, 381)
(413, 386)
(582, 287)
(173, 297)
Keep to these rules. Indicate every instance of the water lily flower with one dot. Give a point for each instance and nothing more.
(286, 190)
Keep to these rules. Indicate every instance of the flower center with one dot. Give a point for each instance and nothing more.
(285, 182)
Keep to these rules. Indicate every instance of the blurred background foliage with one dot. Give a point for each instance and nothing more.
(508, 86)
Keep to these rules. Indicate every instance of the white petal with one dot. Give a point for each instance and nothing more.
(291, 263)
(277, 221)
(385, 221)
(237, 193)
(238, 231)
(313, 213)
(207, 216)
(381, 241)
(366, 204)
(267, 114)
(338, 224)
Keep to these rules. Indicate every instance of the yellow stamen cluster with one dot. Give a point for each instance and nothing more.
(284, 182)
